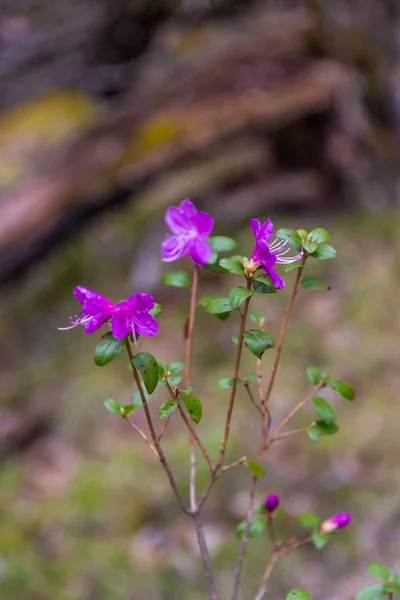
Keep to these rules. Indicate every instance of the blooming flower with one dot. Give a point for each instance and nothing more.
(266, 254)
(128, 316)
(271, 503)
(338, 521)
(190, 229)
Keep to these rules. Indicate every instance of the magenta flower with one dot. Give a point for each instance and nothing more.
(190, 229)
(266, 254)
(271, 503)
(338, 521)
(128, 316)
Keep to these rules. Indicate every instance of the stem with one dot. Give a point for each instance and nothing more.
(283, 330)
(296, 409)
(290, 433)
(243, 545)
(231, 466)
(205, 556)
(271, 530)
(141, 433)
(153, 435)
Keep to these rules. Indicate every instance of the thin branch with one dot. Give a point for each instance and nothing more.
(244, 541)
(154, 438)
(141, 433)
(188, 365)
(271, 530)
(237, 463)
(290, 433)
(164, 427)
(283, 331)
(296, 409)
(205, 556)
(251, 397)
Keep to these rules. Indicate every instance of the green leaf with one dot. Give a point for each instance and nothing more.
(235, 339)
(176, 278)
(221, 243)
(291, 267)
(314, 375)
(213, 259)
(303, 234)
(147, 366)
(252, 377)
(193, 406)
(391, 587)
(233, 265)
(114, 406)
(319, 235)
(175, 367)
(167, 408)
(310, 246)
(319, 539)
(174, 380)
(219, 306)
(264, 288)
(156, 310)
(127, 409)
(257, 317)
(342, 388)
(324, 410)
(320, 428)
(308, 282)
(396, 577)
(257, 526)
(107, 349)
(371, 592)
(324, 252)
(309, 520)
(187, 388)
(298, 595)
(257, 341)
(379, 571)
(237, 295)
(291, 235)
(226, 383)
(254, 467)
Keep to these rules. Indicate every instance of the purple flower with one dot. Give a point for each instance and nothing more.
(266, 254)
(271, 503)
(128, 316)
(338, 521)
(190, 229)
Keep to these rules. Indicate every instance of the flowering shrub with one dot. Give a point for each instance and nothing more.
(135, 317)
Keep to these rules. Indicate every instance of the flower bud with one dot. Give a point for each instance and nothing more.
(338, 521)
(271, 503)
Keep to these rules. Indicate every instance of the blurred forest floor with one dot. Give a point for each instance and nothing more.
(109, 111)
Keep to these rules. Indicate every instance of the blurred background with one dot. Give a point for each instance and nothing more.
(110, 110)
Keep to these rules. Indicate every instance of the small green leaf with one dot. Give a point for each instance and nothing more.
(264, 288)
(233, 265)
(319, 539)
(187, 388)
(114, 406)
(291, 267)
(107, 349)
(391, 587)
(219, 306)
(176, 279)
(193, 406)
(324, 410)
(175, 367)
(291, 235)
(235, 339)
(174, 380)
(226, 383)
(379, 571)
(342, 388)
(324, 252)
(396, 577)
(309, 520)
(237, 295)
(313, 433)
(320, 428)
(257, 341)
(213, 259)
(252, 377)
(298, 595)
(257, 317)
(167, 408)
(310, 246)
(308, 282)
(221, 243)
(156, 310)
(319, 235)
(147, 366)
(257, 526)
(314, 375)
(127, 409)
(254, 467)
(371, 592)
(303, 234)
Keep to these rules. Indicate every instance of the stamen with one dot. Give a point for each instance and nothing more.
(277, 244)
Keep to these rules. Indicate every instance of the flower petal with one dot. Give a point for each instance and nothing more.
(255, 226)
(188, 209)
(92, 302)
(95, 322)
(121, 323)
(174, 247)
(140, 302)
(177, 220)
(263, 255)
(200, 251)
(145, 324)
(277, 281)
(204, 223)
(266, 231)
